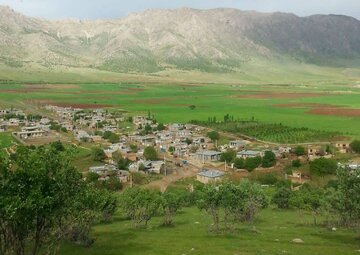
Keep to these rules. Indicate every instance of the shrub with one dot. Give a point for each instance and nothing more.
(300, 151)
(355, 146)
(323, 166)
(269, 159)
(296, 163)
(252, 163)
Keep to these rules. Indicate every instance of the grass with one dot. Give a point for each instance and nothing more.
(170, 102)
(6, 140)
(187, 237)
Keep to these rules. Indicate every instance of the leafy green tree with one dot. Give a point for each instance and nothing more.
(239, 163)
(123, 163)
(44, 201)
(296, 163)
(58, 146)
(213, 135)
(300, 151)
(170, 203)
(252, 163)
(210, 201)
(160, 127)
(150, 153)
(92, 177)
(346, 200)
(228, 156)
(188, 141)
(140, 205)
(171, 149)
(323, 166)
(98, 154)
(112, 184)
(282, 197)
(192, 107)
(134, 148)
(355, 146)
(147, 129)
(269, 159)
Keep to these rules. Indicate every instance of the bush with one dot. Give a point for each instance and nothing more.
(150, 153)
(267, 179)
(252, 163)
(300, 151)
(58, 146)
(296, 163)
(282, 197)
(355, 146)
(269, 159)
(323, 166)
(213, 135)
(239, 163)
(99, 155)
(228, 156)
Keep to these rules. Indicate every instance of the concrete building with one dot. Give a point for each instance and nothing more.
(207, 156)
(209, 176)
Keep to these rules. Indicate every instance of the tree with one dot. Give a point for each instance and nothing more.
(346, 200)
(134, 148)
(192, 107)
(355, 146)
(323, 166)
(160, 127)
(140, 205)
(210, 201)
(239, 163)
(111, 137)
(92, 177)
(300, 151)
(123, 163)
(44, 201)
(150, 153)
(213, 135)
(58, 146)
(170, 203)
(296, 163)
(228, 156)
(147, 129)
(252, 163)
(236, 203)
(269, 159)
(98, 154)
(172, 149)
(282, 197)
(188, 141)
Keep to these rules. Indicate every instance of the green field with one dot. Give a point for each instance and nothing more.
(294, 104)
(270, 234)
(6, 140)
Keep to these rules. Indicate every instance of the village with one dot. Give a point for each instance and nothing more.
(150, 148)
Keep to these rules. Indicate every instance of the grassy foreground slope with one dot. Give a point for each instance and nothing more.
(270, 234)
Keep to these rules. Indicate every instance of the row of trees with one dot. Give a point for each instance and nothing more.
(141, 205)
(269, 160)
(227, 204)
(44, 201)
(338, 201)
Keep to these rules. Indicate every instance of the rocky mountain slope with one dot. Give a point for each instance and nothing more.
(219, 40)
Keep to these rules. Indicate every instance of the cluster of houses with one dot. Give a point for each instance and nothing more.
(23, 126)
(83, 123)
(180, 141)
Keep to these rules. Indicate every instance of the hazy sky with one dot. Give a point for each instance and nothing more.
(91, 9)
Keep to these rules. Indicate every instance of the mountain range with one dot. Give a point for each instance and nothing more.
(217, 40)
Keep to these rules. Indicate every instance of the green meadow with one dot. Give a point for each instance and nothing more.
(270, 234)
(323, 105)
